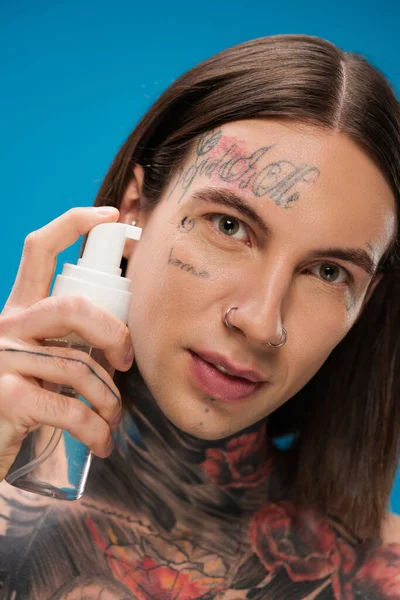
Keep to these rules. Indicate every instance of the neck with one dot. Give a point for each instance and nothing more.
(242, 459)
(167, 471)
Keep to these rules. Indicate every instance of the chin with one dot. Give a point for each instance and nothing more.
(201, 430)
(207, 427)
(209, 435)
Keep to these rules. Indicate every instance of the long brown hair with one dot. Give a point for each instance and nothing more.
(346, 420)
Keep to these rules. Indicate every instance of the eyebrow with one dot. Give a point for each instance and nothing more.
(230, 199)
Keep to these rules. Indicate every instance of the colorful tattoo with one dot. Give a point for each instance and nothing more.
(222, 158)
(91, 549)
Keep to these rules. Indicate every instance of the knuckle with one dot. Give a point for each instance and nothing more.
(74, 216)
(78, 413)
(83, 368)
(6, 321)
(74, 213)
(31, 241)
(32, 311)
(73, 304)
(11, 386)
(76, 364)
(113, 331)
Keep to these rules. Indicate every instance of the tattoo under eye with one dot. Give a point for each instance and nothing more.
(186, 225)
(186, 266)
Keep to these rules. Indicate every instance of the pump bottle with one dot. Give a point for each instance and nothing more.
(51, 462)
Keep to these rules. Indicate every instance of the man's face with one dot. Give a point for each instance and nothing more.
(198, 257)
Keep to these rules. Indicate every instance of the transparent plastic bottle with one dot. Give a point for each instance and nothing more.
(51, 462)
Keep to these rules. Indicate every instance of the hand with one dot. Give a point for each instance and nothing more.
(28, 318)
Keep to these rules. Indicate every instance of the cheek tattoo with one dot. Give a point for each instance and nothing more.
(186, 266)
(350, 304)
(222, 158)
(186, 225)
(370, 246)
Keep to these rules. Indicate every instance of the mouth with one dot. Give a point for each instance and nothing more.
(218, 385)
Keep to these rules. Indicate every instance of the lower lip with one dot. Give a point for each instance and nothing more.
(217, 384)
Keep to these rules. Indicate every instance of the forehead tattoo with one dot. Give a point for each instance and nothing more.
(223, 158)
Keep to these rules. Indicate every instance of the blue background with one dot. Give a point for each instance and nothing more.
(76, 76)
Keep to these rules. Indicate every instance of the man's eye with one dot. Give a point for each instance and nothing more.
(332, 273)
(227, 225)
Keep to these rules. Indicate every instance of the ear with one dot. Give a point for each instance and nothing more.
(370, 291)
(131, 206)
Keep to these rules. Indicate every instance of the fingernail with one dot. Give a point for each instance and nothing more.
(106, 210)
(129, 357)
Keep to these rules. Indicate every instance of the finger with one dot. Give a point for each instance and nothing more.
(33, 406)
(58, 316)
(69, 368)
(41, 248)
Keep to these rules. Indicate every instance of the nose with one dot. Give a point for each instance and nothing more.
(261, 308)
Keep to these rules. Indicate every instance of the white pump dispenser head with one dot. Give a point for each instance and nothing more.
(98, 275)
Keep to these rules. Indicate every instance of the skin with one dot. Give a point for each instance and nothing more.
(96, 547)
(208, 267)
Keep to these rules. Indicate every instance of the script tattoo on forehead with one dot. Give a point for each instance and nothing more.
(223, 158)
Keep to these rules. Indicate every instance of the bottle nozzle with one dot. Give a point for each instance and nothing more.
(105, 246)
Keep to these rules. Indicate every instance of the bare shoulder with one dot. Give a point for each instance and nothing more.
(390, 531)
